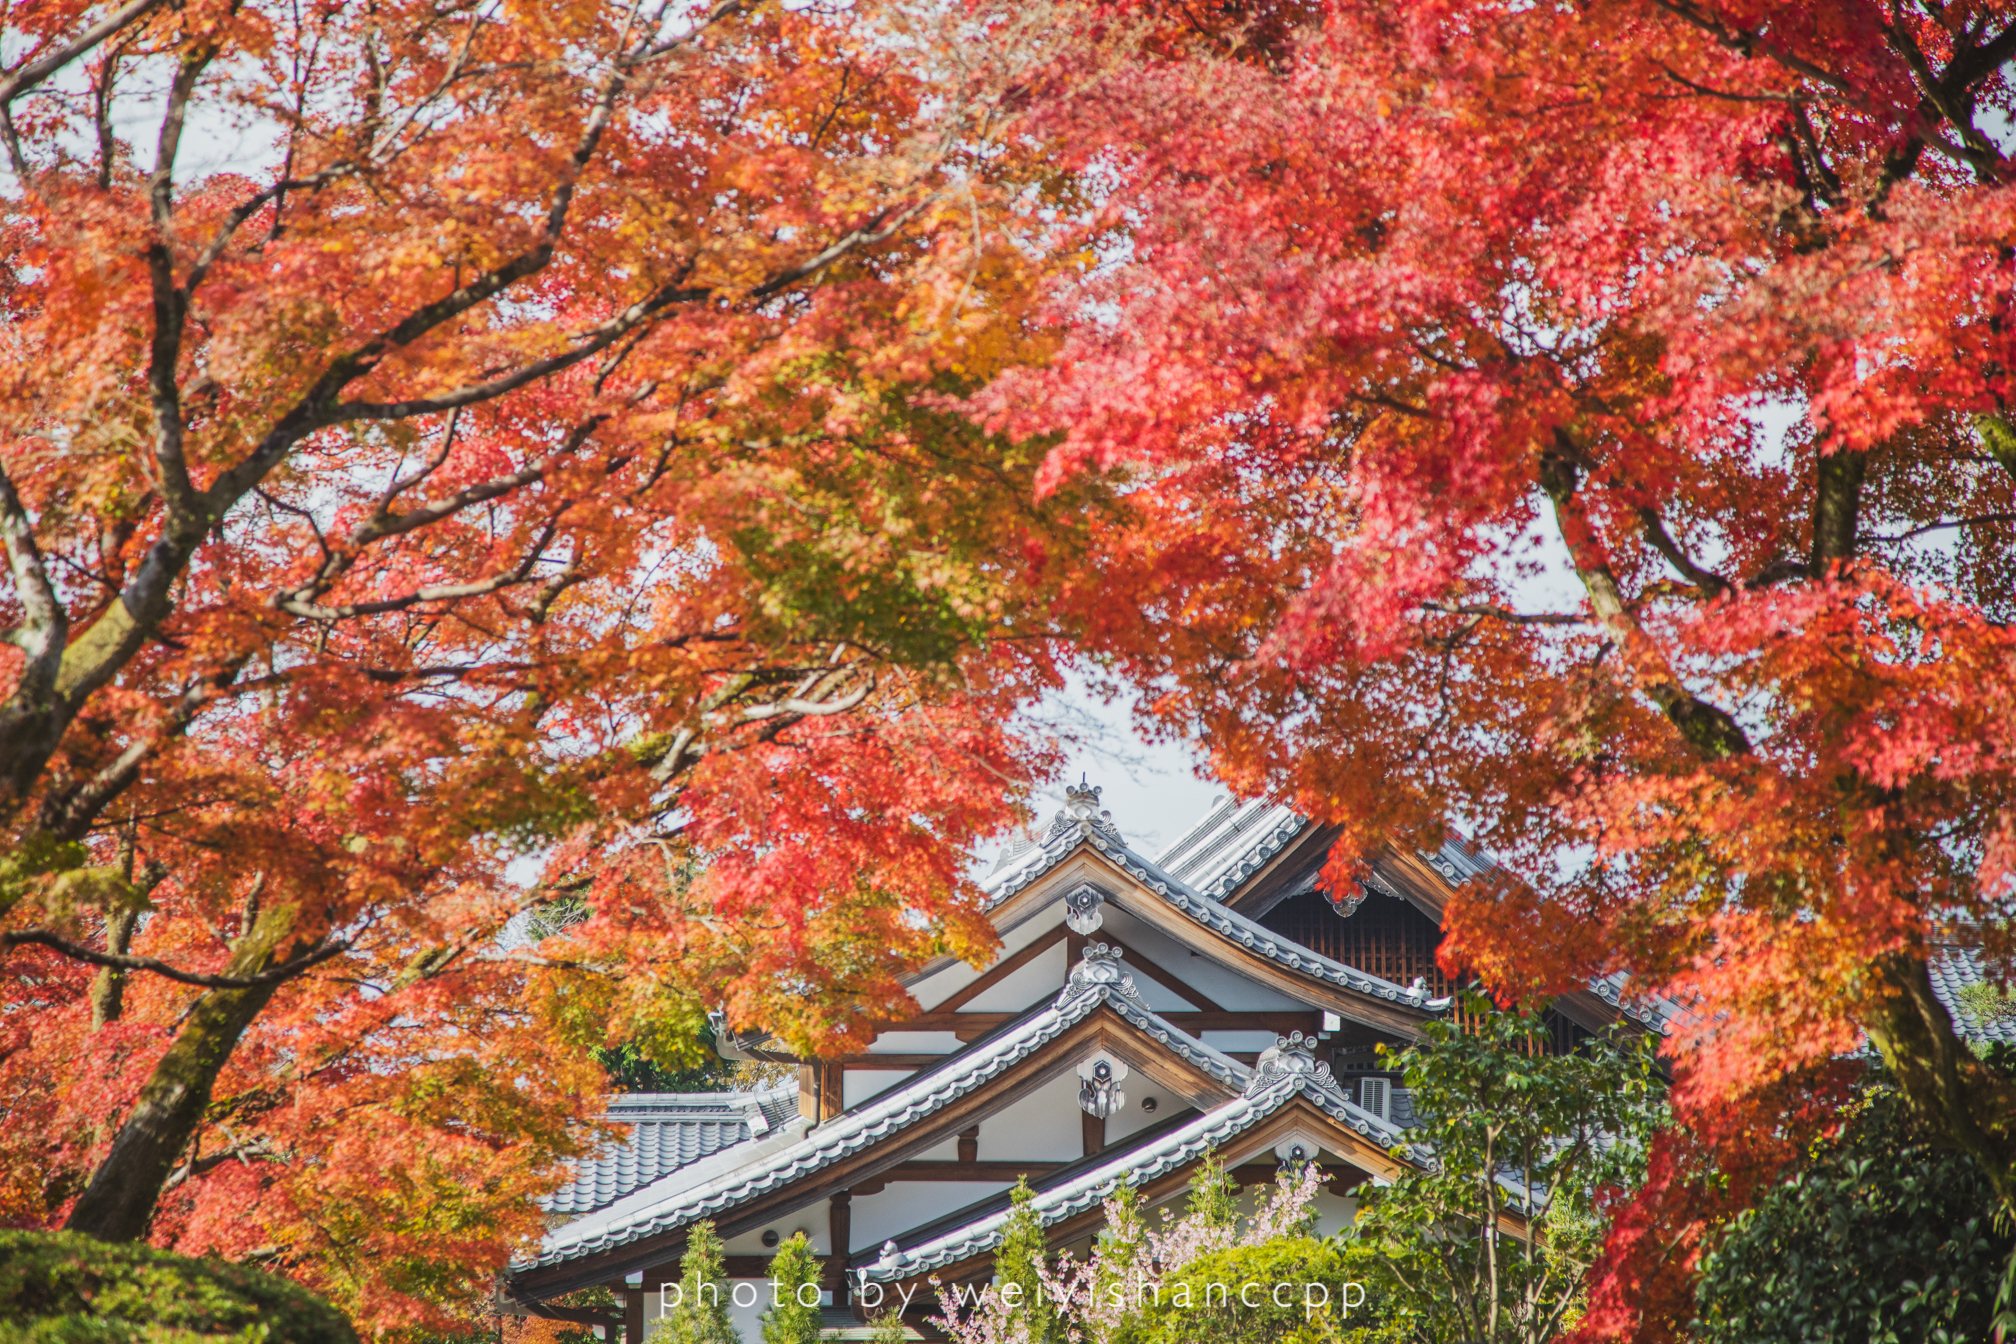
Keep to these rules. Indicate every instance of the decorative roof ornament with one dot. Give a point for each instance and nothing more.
(1100, 965)
(1101, 1095)
(1081, 908)
(1346, 904)
(1082, 816)
(1293, 1154)
(1292, 1057)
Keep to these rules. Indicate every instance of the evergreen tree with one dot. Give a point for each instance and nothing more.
(701, 1315)
(789, 1320)
(1019, 1263)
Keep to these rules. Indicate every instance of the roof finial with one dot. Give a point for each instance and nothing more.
(1081, 800)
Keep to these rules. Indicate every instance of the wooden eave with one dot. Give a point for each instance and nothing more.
(1101, 1029)
(1298, 1115)
(1285, 871)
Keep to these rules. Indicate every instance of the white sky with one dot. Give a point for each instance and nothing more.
(1151, 788)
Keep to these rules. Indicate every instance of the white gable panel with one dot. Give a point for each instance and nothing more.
(1133, 1119)
(903, 1205)
(1220, 983)
(1030, 984)
(915, 1043)
(1042, 1127)
(1236, 1042)
(941, 980)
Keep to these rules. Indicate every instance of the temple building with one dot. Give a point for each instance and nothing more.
(1140, 1012)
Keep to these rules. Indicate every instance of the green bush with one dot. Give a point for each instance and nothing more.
(1201, 1303)
(1880, 1237)
(63, 1288)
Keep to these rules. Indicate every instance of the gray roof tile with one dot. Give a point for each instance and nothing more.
(666, 1131)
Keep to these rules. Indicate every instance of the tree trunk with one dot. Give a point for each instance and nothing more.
(119, 1203)
(108, 990)
(1941, 1078)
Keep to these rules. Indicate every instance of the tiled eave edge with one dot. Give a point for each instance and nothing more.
(1213, 915)
(1175, 1150)
(880, 1117)
(1230, 924)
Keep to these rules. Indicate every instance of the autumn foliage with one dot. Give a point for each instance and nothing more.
(1586, 424)
(646, 454)
(457, 458)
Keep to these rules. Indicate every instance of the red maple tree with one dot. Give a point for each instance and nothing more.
(454, 457)
(1586, 424)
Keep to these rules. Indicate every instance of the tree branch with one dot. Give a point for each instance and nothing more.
(32, 74)
(274, 975)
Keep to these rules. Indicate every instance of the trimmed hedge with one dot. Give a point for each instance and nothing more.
(64, 1288)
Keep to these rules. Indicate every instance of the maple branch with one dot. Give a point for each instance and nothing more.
(1706, 727)
(1505, 614)
(1709, 582)
(46, 625)
(29, 76)
(68, 815)
(1752, 42)
(295, 606)
(286, 970)
(1951, 522)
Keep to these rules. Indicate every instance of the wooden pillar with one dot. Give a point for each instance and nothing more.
(969, 1144)
(1094, 1131)
(840, 1236)
(808, 1091)
(832, 1089)
(633, 1313)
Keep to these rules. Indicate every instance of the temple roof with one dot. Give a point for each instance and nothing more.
(1283, 1075)
(667, 1131)
(792, 1151)
(1067, 834)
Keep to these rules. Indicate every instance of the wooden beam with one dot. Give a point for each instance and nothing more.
(808, 1091)
(969, 1145)
(1009, 1172)
(1001, 970)
(892, 1061)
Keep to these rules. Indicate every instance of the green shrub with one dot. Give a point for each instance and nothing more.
(1880, 1237)
(1201, 1303)
(64, 1288)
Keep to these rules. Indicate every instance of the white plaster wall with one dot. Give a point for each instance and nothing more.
(1042, 1127)
(903, 1205)
(942, 984)
(811, 1219)
(915, 1043)
(1030, 984)
(862, 1082)
(1133, 1119)
(1225, 986)
(1234, 1041)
